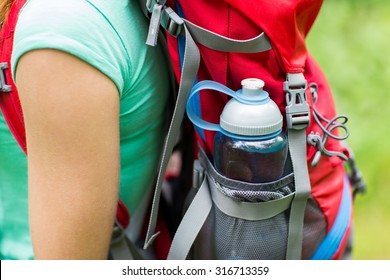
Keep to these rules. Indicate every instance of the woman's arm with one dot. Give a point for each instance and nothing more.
(71, 113)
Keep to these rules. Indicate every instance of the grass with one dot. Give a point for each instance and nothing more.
(350, 40)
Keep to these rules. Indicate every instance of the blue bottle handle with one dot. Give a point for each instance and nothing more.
(215, 86)
(206, 84)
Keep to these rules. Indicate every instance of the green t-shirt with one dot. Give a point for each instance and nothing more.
(109, 35)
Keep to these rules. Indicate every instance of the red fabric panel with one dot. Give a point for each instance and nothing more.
(122, 214)
(327, 188)
(9, 102)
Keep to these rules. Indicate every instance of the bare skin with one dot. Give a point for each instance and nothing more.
(71, 115)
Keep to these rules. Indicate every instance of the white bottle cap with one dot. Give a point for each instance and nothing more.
(258, 118)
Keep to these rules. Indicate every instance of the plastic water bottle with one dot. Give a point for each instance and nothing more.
(251, 146)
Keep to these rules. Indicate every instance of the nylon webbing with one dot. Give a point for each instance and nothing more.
(189, 71)
(221, 43)
(298, 117)
(191, 223)
(297, 146)
(121, 247)
(250, 211)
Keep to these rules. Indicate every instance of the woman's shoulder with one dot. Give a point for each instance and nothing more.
(101, 18)
(86, 29)
(73, 19)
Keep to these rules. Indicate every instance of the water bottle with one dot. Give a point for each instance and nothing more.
(251, 146)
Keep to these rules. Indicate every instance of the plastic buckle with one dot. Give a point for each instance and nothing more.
(297, 109)
(3, 85)
(171, 22)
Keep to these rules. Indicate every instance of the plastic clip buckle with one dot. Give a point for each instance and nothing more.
(171, 22)
(297, 109)
(3, 85)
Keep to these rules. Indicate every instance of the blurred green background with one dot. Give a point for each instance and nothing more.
(351, 42)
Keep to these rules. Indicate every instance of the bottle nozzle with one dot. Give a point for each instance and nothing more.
(252, 83)
(252, 87)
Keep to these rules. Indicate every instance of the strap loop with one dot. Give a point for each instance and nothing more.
(154, 25)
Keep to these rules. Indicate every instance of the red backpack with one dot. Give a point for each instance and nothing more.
(227, 41)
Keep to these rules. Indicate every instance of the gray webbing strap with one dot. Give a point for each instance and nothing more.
(191, 223)
(218, 42)
(297, 146)
(190, 68)
(154, 26)
(251, 211)
(298, 117)
(173, 24)
(120, 251)
(121, 247)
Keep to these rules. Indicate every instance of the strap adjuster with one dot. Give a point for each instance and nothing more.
(171, 22)
(3, 85)
(164, 16)
(297, 109)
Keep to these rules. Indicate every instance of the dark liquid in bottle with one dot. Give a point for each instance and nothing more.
(256, 161)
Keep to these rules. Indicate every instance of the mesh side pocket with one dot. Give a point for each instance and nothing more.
(227, 237)
(240, 239)
(227, 234)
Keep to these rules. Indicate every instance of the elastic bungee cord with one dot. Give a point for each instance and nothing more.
(318, 141)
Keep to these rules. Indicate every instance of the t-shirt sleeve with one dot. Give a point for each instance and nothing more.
(75, 27)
